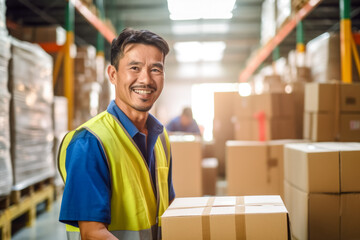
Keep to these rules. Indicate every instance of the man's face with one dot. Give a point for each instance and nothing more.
(139, 79)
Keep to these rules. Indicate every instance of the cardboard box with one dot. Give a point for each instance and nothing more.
(274, 104)
(332, 97)
(323, 167)
(186, 165)
(319, 126)
(243, 107)
(226, 218)
(254, 167)
(304, 166)
(223, 129)
(349, 127)
(41, 34)
(209, 175)
(327, 126)
(350, 215)
(349, 160)
(244, 129)
(312, 215)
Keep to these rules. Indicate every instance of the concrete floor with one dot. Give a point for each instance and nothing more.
(46, 227)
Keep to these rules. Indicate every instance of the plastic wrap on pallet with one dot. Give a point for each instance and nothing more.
(31, 114)
(3, 29)
(6, 177)
(60, 114)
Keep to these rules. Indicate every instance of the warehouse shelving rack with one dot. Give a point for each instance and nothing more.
(347, 41)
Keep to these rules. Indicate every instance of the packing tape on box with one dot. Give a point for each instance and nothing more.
(240, 227)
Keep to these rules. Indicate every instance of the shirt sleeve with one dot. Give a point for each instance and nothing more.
(87, 191)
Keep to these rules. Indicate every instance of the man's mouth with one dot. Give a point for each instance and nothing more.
(142, 91)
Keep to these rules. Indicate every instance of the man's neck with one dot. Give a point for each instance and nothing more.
(138, 118)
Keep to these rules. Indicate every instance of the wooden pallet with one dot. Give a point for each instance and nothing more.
(4, 202)
(26, 205)
(18, 195)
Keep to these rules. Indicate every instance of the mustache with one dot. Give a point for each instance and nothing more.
(142, 86)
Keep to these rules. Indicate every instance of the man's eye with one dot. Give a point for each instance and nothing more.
(135, 68)
(155, 70)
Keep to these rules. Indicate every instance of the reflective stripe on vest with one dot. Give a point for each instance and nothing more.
(134, 210)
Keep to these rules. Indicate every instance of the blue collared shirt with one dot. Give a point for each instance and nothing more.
(88, 174)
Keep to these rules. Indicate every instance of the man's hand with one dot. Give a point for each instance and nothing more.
(94, 231)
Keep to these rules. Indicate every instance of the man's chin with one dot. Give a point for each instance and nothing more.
(143, 108)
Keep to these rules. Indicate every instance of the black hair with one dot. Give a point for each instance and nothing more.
(128, 36)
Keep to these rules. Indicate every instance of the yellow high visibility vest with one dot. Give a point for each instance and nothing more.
(135, 206)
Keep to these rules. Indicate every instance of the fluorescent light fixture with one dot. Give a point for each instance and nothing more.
(186, 28)
(199, 51)
(197, 9)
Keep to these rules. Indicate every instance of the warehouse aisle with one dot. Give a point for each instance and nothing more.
(46, 227)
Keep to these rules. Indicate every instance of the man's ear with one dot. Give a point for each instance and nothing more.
(112, 74)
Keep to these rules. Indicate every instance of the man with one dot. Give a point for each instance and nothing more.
(117, 166)
(184, 123)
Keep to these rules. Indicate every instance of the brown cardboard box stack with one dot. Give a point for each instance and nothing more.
(266, 116)
(186, 165)
(332, 112)
(223, 127)
(322, 189)
(248, 217)
(40, 34)
(254, 167)
(87, 86)
(209, 175)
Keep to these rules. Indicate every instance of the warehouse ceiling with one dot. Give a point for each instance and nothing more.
(241, 33)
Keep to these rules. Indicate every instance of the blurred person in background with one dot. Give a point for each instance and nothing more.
(184, 123)
(117, 166)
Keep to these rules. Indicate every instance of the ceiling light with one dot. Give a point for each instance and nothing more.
(199, 51)
(185, 28)
(197, 9)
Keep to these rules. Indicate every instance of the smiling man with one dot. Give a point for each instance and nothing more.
(117, 166)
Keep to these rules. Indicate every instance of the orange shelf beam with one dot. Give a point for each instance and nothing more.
(266, 50)
(94, 20)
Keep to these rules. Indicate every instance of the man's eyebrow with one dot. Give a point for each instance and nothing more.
(159, 65)
(134, 63)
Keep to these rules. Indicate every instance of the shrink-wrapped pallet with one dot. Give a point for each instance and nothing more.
(5, 162)
(31, 114)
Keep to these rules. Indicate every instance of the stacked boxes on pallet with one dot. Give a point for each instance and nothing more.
(87, 86)
(266, 116)
(322, 190)
(248, 217)
(31, 114)
(332, 112)
(223, 127)
(6, 177)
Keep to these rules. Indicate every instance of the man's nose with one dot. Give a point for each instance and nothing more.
(145, 76)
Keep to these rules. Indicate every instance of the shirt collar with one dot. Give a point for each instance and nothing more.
(153, 125)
